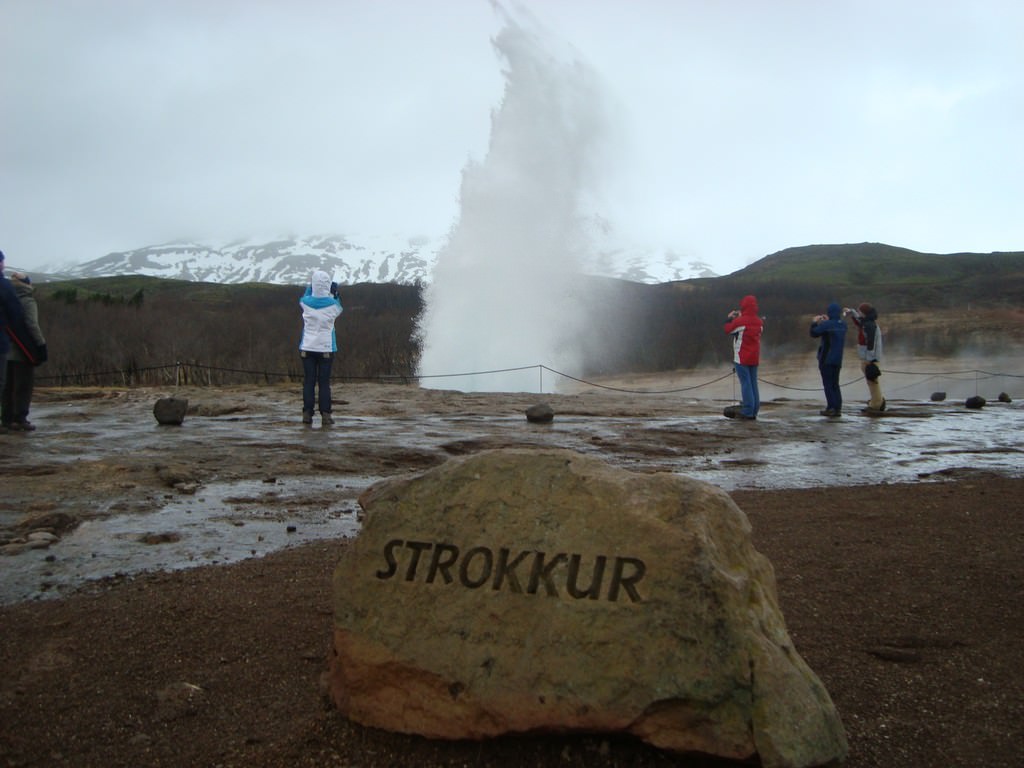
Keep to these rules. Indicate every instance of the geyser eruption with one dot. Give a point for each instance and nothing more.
(506, 290)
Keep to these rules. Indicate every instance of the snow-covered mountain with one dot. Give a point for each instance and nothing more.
(349, 259)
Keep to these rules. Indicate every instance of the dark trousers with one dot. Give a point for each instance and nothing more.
(316, 369)
(17, 392)
(830, 382)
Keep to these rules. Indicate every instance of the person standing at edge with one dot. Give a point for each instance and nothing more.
(831, 330)
(745, 327)
(869, 349)
(27, 351)
(320, 308)
(10, 313)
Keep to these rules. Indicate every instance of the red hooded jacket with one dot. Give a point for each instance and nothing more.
(746, 333)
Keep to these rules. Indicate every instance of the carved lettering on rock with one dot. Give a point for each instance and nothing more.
(527, 571)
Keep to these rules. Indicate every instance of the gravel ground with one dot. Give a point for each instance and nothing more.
(905, 599)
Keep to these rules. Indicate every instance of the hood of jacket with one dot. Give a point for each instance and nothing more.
(834, 311)
(21, 284)
(748, 305)
(321, 283)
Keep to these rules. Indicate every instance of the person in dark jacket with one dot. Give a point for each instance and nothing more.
(28, 349)
(745, 326)
(830, 329)
(10, 313)
(869, 350)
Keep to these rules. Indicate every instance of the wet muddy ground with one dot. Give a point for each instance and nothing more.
(117, 493)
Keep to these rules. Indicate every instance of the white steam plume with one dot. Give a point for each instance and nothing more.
(506, 288)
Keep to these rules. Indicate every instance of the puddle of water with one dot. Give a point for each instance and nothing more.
(223, 523)
(858, 450)
(791, 448)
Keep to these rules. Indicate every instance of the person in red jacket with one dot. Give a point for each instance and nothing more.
(746, 326)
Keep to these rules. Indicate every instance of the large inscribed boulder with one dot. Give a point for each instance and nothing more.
(520, 590)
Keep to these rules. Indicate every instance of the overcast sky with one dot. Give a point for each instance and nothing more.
(741, 126)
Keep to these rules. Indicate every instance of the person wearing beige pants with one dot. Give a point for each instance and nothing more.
(869, 349)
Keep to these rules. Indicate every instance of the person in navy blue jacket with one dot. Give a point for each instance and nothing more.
(830, 329)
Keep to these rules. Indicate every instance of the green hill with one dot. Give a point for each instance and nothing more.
(898, 277)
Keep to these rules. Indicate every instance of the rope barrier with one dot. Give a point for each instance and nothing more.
(975, 371)
(483, 373)
(639, 391)
(131, 373)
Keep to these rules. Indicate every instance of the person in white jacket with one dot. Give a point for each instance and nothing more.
(869, 350)
(320, 308)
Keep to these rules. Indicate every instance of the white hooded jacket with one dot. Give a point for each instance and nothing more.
(319, 311)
